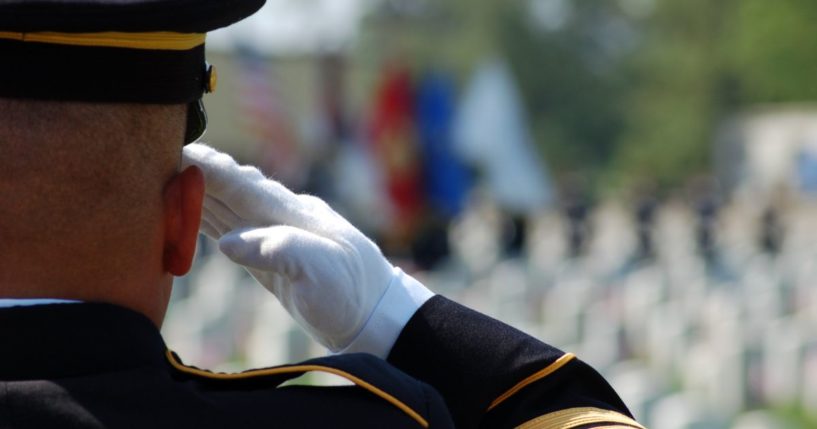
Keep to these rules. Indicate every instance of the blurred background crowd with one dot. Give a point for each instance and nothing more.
(634, 181)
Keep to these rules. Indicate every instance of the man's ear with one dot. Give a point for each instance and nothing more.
(183, 196)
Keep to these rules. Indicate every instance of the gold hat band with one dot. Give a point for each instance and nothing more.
(161, 41)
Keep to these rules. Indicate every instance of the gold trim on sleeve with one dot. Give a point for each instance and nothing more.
(550, 369)
(614, 427)
(161, 41)
(575, 417)
(299, 368)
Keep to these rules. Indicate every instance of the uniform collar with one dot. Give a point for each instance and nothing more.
(18, 302)
(56, 340)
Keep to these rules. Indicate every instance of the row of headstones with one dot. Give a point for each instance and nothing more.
(220, 318)
(616, 237)
(737, 345)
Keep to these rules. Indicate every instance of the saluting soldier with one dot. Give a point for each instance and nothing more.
(101, 200)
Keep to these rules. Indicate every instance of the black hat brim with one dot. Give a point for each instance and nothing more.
(187, 16)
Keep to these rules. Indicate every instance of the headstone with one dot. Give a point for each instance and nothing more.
(684, 411)
(268, 339)
(546, 245)
(716, 374)
(667, 337)
(200, 327)
(717, 363)
(641, 291)
(637, 386)
(760, 419)
(613, 240)
(783, 362)
(809, 378)
(564, 305)
(475, 236)
(601, 333)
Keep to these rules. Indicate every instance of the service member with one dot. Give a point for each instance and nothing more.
(100, 207)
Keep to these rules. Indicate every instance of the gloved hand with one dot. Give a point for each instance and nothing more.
(332, 279)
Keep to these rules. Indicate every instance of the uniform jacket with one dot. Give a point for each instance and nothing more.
(103, 366)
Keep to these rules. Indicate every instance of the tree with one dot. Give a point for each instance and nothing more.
(682, 86)
(571, 77)
(773, 50)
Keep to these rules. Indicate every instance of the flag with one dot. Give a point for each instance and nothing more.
(492, 132)
(446, 178)
(263, 116)
(395, 149)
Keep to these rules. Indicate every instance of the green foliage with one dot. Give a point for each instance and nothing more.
(775, 50)
(795, 416)
(569, 84)
(678, 94)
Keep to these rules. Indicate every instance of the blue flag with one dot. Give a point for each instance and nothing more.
(445, 177)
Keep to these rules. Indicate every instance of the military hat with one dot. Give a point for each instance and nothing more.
(128, 51)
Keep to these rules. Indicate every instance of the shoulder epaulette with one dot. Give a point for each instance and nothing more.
(365, 371)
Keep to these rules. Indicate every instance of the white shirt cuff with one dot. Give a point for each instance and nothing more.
(404, 296)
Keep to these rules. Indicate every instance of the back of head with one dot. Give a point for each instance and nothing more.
(81, 186)
(93, 115)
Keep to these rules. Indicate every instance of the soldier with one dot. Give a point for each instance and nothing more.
(101, 207)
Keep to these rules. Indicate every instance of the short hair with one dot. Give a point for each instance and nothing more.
(90, 174)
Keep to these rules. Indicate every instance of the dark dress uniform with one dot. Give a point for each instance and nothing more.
(103, 366)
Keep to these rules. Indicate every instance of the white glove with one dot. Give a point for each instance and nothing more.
(332, 279)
